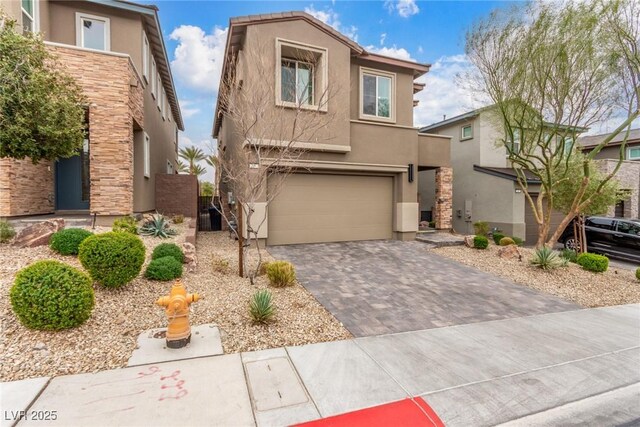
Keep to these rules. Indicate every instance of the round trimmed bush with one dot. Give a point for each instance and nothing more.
(165, 268)
(67, 241)
(112, 259)
(168, 249)
(50, 295)
(280, 273)
(480, 242)
(593, 262)
(497, 237)
(506, 241)
(638, 273)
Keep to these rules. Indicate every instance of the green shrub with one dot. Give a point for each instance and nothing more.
(481, 228)
(67, 241)
(263, 268)
(432, 224)
(546, 259)
(6, 231)
(281, 273)
(112, 259)
(638, 273)
(165, 268)
(497, 237)
(518, 241)
(126, 224)
(220, 265)
(593, 262)
(178, 219)
(506, 241)
(157, 226)
(168, 249)
(570, 255)
(50, 295)
(480, 242)
(261, 307)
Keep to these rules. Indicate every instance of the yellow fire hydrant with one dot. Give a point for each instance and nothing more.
(177, 310)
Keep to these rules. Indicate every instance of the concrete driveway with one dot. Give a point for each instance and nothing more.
(386, 286)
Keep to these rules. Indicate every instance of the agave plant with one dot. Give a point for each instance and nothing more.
(157, 226)
(547, 259)
(261, 307)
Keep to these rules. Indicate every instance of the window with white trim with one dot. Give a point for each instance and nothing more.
(154, 77)
(29, 16)
(164, 104)
(377, 95)
(633, 153)
(145, 57)
(514, 143)
(93, 32)
(158, 90)
(466, 132)
(301, 75)
(147, 156)
(296, 81)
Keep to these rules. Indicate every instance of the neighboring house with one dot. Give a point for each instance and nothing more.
(356, 184)
(629, 173)
(115, 51)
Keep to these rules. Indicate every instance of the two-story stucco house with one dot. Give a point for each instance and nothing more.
(115, 51)
(360, 182)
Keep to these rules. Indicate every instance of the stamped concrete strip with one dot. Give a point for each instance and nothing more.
(277, 394)
(205, 341)
(340, 377)
(197, 392)
(17, 396)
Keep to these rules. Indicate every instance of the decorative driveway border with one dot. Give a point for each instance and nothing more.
(387, 286)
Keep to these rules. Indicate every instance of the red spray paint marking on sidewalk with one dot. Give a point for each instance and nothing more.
(407, 412)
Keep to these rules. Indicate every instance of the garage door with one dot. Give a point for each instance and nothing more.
(313, 208)
(532, 225)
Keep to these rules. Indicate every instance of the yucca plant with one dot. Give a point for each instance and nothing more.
(157, 226)
(261, 307)
(547, 259)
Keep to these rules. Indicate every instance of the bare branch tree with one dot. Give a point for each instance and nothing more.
(265, 138)
(553, 70)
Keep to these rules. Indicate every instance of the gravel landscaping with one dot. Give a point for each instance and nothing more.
(108, 338)
(613, 287)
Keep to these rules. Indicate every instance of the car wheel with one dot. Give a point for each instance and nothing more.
(570, 243)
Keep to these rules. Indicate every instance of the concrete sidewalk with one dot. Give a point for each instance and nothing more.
(582, 364)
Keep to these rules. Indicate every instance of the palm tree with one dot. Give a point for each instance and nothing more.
(198, 170)
(212, 160)
(192, 155)
(182, 168)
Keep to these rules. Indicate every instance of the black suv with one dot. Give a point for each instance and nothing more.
(615, 237)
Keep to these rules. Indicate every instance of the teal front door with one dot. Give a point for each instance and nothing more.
(72, 181)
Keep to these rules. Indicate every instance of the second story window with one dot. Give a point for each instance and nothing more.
(514, 143)
(28, 16)
(145, 56)
(296, 82)
(154, 76)
(466, 132)
(92, 32)
(633, 153)
(377, 95)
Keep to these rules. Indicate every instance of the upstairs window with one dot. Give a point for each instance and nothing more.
(514, 143)
(92, 32)
(377, 95)
(466, 132)
(154, 77)
(28, 16)
(145, 56)
(633, 153)
(296, 82)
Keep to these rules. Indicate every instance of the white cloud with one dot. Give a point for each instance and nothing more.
(404, 8)
(199, 57)
(444, 94)
(331, 18)
(188, 109)
(393, 51)
(383, 36)
(420, 49)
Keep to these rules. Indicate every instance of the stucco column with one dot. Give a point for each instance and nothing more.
(444, 196)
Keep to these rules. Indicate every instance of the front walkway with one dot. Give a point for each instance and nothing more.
(583, 363)
(386, 286)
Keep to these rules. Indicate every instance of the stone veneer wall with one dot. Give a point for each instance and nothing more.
(114, 95)
(629, 178)
(444, 198)
(177, 194)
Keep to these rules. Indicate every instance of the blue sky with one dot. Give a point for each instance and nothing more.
(430, 32)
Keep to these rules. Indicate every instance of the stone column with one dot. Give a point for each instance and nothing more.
(444, 197)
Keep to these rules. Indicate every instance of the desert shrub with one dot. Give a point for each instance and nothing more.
(506, 241)
(178, 219)
(263, 268)
(126, 224)
(518, 241)
(480, 242)
(157, 226)
(168, 249)
(67, 241)
(546, 259)
(112, 259)
(220, 265)
(638, 273)
(261, 307)
(570, 255)
(165, 268)
(432, 224)
(497, 237)
(6, 231)
(481, 228)
(50, 295)
(593, 262)
(281, 273)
